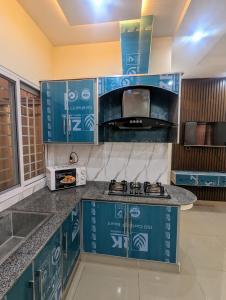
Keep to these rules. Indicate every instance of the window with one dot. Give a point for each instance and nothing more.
(9, 167)
(21, 148)
(33, 151)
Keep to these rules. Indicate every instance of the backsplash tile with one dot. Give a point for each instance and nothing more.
(129, 161)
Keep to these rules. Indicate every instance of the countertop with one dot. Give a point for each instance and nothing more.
(60, 204)
(179, 196)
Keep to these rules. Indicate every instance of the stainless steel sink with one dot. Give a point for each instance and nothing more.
(16, 227)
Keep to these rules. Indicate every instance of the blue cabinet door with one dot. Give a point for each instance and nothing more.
(81, 110)
(152, 232)
(104, 228)
(48, 270)
(71, 242)
(22, 289)
(54, 111)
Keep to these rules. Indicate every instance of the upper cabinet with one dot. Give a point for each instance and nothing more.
(69, 111)
(139, 108)
(132, 108)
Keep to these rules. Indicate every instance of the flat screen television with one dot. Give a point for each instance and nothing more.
(205, 134)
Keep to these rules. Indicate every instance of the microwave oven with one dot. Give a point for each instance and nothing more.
(63, 177)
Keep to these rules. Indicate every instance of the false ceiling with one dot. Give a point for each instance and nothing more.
(49, 16)
(83, 12)
(178, 19)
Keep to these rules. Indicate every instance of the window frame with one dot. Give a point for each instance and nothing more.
(23, 184)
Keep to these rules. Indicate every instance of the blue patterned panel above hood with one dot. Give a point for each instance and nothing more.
(170, 82)
(136, 36)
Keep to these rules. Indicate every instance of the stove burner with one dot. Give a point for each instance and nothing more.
(146, 189)
(118, 186)
(154, 188)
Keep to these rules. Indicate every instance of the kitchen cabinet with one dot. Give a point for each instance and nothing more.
(48, 270)
(23, 288)
(71, 242)
(152, 232)
(54, 111)
(197, 178)
(104, 228)
(159, 124)
(130, 230)
(69, 111)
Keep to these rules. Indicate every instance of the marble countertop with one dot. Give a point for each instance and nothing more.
(179, 196)
(59, 204)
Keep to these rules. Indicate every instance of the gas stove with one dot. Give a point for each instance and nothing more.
(137, 189)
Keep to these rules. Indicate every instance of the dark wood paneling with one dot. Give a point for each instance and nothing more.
(202, 100)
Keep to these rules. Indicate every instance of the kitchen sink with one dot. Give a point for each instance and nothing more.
(16, 227)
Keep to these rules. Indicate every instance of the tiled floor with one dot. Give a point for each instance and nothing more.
(203, 264)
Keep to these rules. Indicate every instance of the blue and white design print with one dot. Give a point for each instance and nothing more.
(169, 82)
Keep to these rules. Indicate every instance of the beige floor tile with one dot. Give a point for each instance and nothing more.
(200, 252)
(75, 282)
(101, 282)
(213, 284)
(163, 286)
(203, 223)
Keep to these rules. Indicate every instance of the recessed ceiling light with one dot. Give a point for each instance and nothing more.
(197, 36)
(97, 2)
(170, 82)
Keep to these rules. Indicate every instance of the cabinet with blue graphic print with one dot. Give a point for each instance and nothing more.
(48, 270)
(152, 232)
(69, 111)
(71, 242)
(104, 228)
(23, 288)
(54, 111)
(131, 230)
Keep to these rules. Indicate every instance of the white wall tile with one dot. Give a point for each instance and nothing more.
(129, 161)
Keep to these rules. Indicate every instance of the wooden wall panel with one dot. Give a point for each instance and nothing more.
(202, 100)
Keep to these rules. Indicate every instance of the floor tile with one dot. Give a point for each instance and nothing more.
(201, 252)
(162, 286)
(101, 282)
(213, 284)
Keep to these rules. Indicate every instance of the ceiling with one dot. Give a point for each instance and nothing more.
(178, 19)
(52, 20)
(206, 57)
(99, 11)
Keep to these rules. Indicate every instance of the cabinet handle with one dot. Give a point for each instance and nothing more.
(66, 245)
(69, 124)
(39, 274)
(64, 125)
(31, 286)
(124, 222)
(131, 224)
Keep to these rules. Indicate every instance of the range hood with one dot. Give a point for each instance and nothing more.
(136, 103)
(138, 123)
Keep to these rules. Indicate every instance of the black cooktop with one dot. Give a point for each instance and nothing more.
(137, 189)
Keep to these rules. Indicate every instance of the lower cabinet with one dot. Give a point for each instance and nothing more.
(23, 288)
(135, 231)
(152, 232)
(104, 228)
(48, 274)
(71, 242)
(48, 270)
